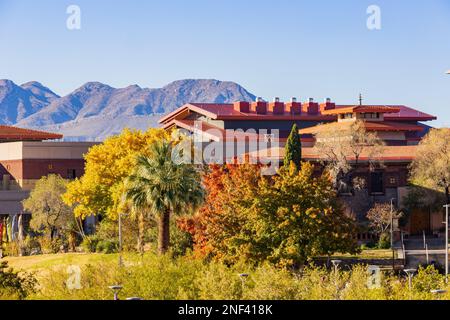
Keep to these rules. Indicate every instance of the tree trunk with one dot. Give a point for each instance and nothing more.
(164, 232)
(141, 230)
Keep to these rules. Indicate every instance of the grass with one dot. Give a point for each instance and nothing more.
(40, 264)
(51, 261)
(367, 254)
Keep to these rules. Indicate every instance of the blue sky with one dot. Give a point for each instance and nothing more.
(282, 48)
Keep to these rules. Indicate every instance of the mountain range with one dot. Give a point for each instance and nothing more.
(96, 110)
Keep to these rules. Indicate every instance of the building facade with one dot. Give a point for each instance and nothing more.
(400, 127)
(25, 157)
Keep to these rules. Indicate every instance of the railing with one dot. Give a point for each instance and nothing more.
(403, 248)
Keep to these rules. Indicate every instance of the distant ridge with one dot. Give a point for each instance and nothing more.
(96, 110)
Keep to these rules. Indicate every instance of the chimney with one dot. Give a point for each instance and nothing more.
(311, 107)
(327, 105)
(242, 106)
(276, 107)
(259, 107)
(294, 107)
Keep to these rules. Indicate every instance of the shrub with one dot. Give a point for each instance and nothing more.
(107, 246)
(89, 243)
(12, 249)
(13, 286)
(385, 241)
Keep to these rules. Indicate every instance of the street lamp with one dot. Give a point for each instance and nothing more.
(438, 292)
(447, 206)
(243, 277)
(392, 234)
(410, 273)
(116, 289)
(120, 232)
(336, 264)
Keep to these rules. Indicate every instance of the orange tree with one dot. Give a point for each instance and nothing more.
(286, 219)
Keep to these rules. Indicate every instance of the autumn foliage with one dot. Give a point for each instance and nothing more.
(286, 219)
(108, 164)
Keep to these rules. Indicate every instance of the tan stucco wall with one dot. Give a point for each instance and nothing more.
(44, 150)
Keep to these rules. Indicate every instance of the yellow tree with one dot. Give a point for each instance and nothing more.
(431, 167)
(101, 188)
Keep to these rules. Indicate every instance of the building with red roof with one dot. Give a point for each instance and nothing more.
(400, 127)
(25, 157)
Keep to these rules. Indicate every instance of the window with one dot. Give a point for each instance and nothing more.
(71, 174)
(371, 115)
(376, 182)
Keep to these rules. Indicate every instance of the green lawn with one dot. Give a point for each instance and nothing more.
(49, 261)
(367, 254)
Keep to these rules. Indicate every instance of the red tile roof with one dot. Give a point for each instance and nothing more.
(369, 125)
(227, 112)
(389, 154)
(362, 109)
(8, 133)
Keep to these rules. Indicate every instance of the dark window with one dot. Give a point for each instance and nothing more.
(71, 174)
(376, 182)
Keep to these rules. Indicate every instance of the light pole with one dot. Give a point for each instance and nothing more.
(243, 277)
(336, 264)
(392, 234)
(438, 293)
(116, 289)
(120, 240)
(410, 273)
(447, 206)
(120, 233)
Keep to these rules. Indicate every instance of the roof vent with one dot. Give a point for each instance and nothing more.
(259, 99)
(276, 99)
(311, 99)
(294, 99)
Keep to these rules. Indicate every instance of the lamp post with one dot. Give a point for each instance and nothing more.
(438, 293)
(243, 277)
(392, 234)
(447, 206)
(120, 240)
(116, 289)
(120, 232)
(336, 264)
(410, 273)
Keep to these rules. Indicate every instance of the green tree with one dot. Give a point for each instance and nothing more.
(161, 187)
(49, 213)
(296, 217)
(285, 219)
(293, 148)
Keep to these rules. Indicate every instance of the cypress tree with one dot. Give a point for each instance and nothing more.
(293, 149)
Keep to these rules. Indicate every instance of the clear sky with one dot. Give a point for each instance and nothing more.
(284, 48)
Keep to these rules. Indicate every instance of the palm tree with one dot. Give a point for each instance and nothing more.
(160, 186)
